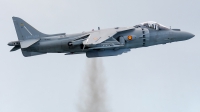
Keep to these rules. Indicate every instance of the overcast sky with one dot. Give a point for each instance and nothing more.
(162, 78)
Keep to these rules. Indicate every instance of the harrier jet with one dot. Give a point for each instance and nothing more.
(96, 43)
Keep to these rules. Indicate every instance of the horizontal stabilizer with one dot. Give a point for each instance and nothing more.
(29, 42)
(15, 48)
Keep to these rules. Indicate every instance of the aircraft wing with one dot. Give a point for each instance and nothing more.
(100, 36)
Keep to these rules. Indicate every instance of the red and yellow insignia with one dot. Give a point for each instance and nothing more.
(130, 37)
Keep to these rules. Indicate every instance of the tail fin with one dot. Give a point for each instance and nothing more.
(26, 31)
(27, 36)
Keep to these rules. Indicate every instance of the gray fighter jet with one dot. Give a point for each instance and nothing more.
(96, 43)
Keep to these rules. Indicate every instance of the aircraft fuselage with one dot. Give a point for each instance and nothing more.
(98, 43)
(59, 44)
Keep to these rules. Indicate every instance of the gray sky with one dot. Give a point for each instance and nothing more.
(162, 78)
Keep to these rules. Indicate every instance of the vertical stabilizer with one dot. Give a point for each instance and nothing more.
(25, 31)
(27, 36)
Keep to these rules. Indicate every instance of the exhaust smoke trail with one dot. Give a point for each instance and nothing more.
(93, 97)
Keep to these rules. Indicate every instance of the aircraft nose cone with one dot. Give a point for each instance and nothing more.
(187, 35)
(181, 35)
(192, 35)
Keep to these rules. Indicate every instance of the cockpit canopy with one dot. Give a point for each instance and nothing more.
(154, 25)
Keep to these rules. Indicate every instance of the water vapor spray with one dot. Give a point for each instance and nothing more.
(93, 94)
